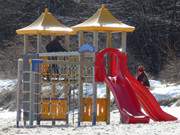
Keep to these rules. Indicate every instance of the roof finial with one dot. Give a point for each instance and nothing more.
(46, 10)
(103, 6)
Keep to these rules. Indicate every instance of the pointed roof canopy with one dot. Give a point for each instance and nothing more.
(103, 21)
(46, 24)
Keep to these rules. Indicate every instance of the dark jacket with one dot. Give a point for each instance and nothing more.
(143, 79)
(55, 46)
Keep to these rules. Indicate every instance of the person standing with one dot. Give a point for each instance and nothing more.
(54, 46)
(142, 77)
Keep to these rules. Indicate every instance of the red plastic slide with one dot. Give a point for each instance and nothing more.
(125, 98)
(148, 101)
(126, 89)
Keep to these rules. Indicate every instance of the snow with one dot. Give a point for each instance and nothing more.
(7, 127)
(7, 84)
(164, 91)
(160, 90)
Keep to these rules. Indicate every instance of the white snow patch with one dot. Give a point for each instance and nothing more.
(164, 91)
(7, 84)
(7, 126)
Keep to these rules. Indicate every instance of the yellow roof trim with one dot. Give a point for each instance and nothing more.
(46, 24)
(103, 21)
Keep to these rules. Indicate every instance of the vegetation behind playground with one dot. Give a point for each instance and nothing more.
(155, 38)
(155, 42)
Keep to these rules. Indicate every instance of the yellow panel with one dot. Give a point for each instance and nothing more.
(101, 109)
(54, 109)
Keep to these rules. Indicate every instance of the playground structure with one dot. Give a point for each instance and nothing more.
(51, 89)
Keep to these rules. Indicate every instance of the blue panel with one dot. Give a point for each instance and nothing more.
(35, 64)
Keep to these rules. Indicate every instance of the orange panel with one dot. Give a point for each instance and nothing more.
(87, 109)
(101, 109)
(54, 109)
(44, 67)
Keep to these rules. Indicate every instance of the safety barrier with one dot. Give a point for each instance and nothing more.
(53, 109)
(101, 109)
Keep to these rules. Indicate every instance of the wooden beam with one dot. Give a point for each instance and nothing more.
(38, 43)
(94, 106)
(52, 38)
(80, 105)
(81, 38)
(123, 41)
(108, 45)
(109, 40)
(95, 39)
(31, 97)
(25, 44)
(67, 42)
(19, 91)
(80, 93)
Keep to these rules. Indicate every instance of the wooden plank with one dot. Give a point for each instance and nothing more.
(19, 91)
(38, 43)
(81, 38)
(59, 54)
(94, 106)
(31, 111)
(95, 39)
(25, 44)
(109, 40)
(80, 94)
(67, 42)
(108, 45)
(123, 41)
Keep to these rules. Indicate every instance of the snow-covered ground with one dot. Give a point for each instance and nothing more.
(164, 91)
(161, 91)
(7, 84)
(7, 127)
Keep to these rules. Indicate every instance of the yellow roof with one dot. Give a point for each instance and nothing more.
(46, 24)
(103, 21)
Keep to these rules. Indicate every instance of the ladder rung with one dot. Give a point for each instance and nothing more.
(26, 71)
(26, 101)
(26, 81)
(25, 92)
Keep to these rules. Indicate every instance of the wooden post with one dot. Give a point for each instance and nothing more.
(81, 41)
(95, 39)
(109, 40)
(38, 43)
(108, 45)
(66, 91)
(19, 91)
(67, 42)
(52, 38)
(25, 44)
(94, 106)
(31, 110)
(80, 105)
(81, 38)
(123, 41)
(53, 92)
(38, 94)
(53, 95)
